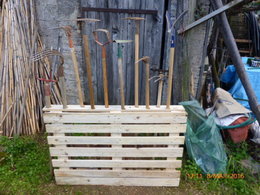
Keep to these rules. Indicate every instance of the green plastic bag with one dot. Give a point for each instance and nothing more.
(203, 140)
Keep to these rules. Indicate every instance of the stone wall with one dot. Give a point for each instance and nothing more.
(57, 13)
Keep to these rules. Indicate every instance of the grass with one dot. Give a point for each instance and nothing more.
(24, 165)
(25, 169)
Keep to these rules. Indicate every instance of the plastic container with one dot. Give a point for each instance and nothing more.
(239, 134)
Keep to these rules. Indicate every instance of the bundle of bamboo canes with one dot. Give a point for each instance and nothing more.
(21, 93)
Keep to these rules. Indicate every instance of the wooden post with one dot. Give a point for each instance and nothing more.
(235, 56)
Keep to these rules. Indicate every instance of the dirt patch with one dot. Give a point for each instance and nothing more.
(113, 190)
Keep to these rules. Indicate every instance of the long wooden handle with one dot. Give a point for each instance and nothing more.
(159, 95)
(62, 86)
(63, 92)
(170, 76)
(137, 35)
(89, 71)
(121, 83)
(76, 71)
(147, 86)
(47, 95)
(104, 64)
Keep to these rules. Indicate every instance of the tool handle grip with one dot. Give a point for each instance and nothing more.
(172, 42)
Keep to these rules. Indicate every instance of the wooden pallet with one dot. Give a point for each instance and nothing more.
(135, 147)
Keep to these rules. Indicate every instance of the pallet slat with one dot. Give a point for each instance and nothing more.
(116, 152)
(137, 140)
(140, 118)
(118, 181)
(136, 128)
(117, 163)
(115, 173)
(99, 108)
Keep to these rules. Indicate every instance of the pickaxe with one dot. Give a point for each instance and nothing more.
(120, 70)
(104, 63)
(137, 40)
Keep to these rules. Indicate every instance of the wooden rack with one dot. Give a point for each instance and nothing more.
(110, 146)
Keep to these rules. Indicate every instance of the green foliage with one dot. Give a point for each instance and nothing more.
(25, 165)
(238, 179)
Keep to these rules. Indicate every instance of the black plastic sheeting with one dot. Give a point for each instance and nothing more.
(254, 32)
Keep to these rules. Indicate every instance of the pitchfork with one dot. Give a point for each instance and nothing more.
(47, 90)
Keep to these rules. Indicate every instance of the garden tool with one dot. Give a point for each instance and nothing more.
(62, 85)
(170, 25)
(61, 79)
(47, 89)
(68, 32)
(120, 70)
(88, 61)
(160, 87)
(137, 39)
(146, 60)
(104, 63)
(54, 61)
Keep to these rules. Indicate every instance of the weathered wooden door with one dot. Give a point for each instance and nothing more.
(151, 39)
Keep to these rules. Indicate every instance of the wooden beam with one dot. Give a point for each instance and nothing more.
(113, 10)
(243, 41)
(118, 181)
(94, 128)
(244, 51)
(115, 152)
(105, 140)
(117, 163)
(118, 174)
(209, 16)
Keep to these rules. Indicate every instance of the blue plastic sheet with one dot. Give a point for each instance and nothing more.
(237, 90)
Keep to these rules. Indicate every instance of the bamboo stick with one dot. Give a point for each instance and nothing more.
(21, 95)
